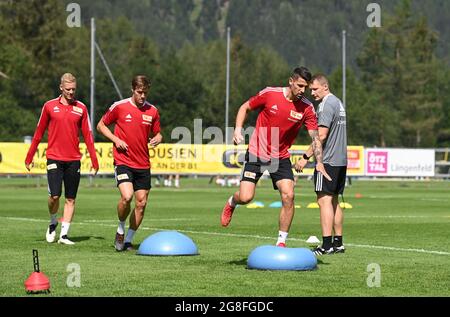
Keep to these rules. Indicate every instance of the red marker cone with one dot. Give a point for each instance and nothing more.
(37, 282)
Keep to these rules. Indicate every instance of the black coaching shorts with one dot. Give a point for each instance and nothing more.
(254, 168)
(59, 171)
(141, 178)
(338, 175)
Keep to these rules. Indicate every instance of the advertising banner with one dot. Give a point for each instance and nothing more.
(400, 162)
(198, 159)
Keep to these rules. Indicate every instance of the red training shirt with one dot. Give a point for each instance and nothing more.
(133, 126)
(278, 122)
(64, 123)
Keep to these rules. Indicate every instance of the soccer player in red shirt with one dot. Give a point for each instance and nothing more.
(137, 125)
(283, 110)
(64, 116)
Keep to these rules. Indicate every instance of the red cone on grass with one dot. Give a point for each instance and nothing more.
(37, 282)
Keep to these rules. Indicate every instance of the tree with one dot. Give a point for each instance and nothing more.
(34, 28)
(400, 70)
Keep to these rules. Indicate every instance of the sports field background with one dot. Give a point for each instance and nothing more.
(402, 226)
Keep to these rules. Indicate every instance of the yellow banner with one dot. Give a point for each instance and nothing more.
(209, 159)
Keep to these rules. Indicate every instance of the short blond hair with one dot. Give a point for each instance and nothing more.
(68, 78)
(321, 78)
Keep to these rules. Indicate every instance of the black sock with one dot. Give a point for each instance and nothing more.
(337, 241)
(326, 242)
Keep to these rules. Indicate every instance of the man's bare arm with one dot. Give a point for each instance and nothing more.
(240, 119)
(318, 154)
(103, 129)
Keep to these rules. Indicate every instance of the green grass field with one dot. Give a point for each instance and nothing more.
(404, 227)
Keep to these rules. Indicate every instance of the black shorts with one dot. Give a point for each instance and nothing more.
(337, 184)
(59, 171)
(254, 168)
(140, 178)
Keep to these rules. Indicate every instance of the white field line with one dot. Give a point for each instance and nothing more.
(388, 216)
(398, 196)
(152, 219)
(366, 246)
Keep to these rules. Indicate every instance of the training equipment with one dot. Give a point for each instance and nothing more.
(256, 204)
(37, 282)
(268, 257)
(313, 239)
(168, 243)
(275, 204)
(345, 206)
(313, 205)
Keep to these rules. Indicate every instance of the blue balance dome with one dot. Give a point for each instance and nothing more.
(268, 257)
(168, 243)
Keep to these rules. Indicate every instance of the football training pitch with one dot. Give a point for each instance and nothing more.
(399, 229)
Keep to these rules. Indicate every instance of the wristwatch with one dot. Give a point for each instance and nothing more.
(306, 156)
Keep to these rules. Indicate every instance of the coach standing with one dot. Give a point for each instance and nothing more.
(333, 135)
(64, 116)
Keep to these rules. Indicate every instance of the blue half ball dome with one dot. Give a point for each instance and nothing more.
(268, 257)
(168, 243)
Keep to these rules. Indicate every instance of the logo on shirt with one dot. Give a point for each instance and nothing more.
(128, 118)
(55, 109)
(147, 118)
(77, 109)
(296, 115)
(274, 109)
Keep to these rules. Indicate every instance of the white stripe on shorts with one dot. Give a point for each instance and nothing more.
(319, 181)
(243, 169)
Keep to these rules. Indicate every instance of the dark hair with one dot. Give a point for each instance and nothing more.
(140, 81)
(302, 72)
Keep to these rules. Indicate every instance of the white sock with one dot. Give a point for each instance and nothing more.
(121, 227)
(53, 219)
(130, 235)
(177, 183)
(231, 201)
(282, 236)
(64, 228)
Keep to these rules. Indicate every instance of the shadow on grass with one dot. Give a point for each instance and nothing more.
(239, 262)
(135, 248)
(75, 239)
(84, 238)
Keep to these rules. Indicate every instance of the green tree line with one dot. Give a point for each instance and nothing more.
(398, 79)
